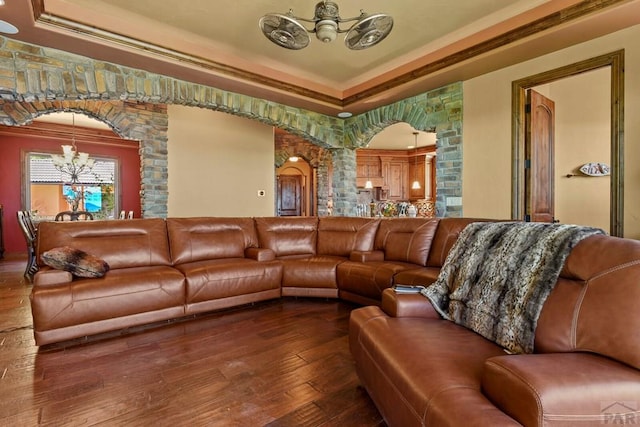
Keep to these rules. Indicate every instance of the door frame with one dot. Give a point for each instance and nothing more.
(614, 60)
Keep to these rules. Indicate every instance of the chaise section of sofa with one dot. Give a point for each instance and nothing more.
(222, 263)
(422, 370)
(140, 287)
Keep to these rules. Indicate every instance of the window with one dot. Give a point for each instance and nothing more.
(50, 192)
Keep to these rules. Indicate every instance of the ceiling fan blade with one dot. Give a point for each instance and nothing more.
(284, 31)
(369, 31)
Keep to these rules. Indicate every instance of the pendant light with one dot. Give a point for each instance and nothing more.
(416, 183)
(72, 163)
(368, 184)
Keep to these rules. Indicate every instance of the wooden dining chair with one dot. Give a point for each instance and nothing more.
(30, 234)
(74, 216)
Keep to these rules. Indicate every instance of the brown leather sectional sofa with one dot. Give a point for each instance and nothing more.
(165, 269)
(418, 368)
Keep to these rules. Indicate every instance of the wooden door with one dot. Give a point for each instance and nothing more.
(398, 176)
(289, 195)
(539, 170)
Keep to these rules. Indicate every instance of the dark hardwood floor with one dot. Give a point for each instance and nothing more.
(279, 363)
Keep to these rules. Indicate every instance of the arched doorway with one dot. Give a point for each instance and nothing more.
(295, 191)
(398, 166)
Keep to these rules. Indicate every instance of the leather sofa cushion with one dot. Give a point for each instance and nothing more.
(368, 279)
(533, 388)
(311, 272)
(339, 236)
(228, 277)
(196, 239)
(122, 292)
(406, 239)
(417, 276)
(288, 237)
(122, 244)
(444, 238)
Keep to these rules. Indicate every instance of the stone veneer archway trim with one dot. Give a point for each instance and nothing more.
(35, 80)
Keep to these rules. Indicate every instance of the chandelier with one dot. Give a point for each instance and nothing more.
(71, 164)
(286, 31)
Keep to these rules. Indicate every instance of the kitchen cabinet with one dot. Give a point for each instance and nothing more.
(393, 171)
(396, 180)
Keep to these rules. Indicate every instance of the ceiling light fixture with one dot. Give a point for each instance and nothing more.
(416, 183)
(286, 31)
(368, 184)
(72, 163)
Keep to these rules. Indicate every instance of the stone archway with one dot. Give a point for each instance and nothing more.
(47, 80)
(438, 111)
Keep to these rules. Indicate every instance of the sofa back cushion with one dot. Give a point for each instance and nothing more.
(121, 243)
(288, 236)
(446, 235)
(339, 236)
(406, 239)
(594, 305)
(198, 239)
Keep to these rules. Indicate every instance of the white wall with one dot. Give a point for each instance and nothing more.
(217, 164)
(487, 128)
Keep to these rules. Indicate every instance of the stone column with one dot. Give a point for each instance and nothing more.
(344, 182)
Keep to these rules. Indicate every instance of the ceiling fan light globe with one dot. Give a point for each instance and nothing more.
(326, 30)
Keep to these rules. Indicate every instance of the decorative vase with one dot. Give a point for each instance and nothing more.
(412, 211)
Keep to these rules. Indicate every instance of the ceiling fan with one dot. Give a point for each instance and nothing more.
(286, 31)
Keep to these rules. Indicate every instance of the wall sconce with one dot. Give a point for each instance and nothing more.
(294, 159)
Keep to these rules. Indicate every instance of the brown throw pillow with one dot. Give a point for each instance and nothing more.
(75, 261)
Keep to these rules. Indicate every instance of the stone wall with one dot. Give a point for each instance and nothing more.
(37, 80)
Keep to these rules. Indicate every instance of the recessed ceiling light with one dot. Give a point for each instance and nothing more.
(7, 28)
(344, 114)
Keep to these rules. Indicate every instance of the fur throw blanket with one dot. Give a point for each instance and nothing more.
(497, 277)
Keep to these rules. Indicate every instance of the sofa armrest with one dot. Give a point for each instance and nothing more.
(366, 256)
(260, 254)
(545, 389)
(47, 276)
(407, 305)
